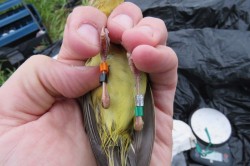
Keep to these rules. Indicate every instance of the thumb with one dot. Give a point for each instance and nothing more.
(39, 82)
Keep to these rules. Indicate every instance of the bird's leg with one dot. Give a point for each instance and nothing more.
(104, 42)
(139, 98)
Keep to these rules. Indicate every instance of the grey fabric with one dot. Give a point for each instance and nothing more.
(179, 160)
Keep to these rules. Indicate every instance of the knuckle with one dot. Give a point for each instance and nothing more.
(37, 60)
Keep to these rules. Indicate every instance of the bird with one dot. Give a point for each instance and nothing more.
(106, 6)
(119, 114)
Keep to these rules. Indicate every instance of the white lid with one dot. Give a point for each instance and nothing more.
(217, 124)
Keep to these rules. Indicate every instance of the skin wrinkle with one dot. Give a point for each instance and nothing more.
(54, 81)
(29, 92)
(14, 145)
(71, 136)
(19, 117)
(164, 125)
(164, 84)
(66, 126)
(168, 109)
(161, 142)
(48, 98)
(4, 129)
(165, 88)
(9, 121)
(48, 87)
(72, 106)
(5, 160)
(52, 126)
(87, 84)
(42, 139)
(5, 113)
(160, 157)
(74, 90)
(161, 86)
(77, 85)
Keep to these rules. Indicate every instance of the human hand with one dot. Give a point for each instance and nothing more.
(41, 123)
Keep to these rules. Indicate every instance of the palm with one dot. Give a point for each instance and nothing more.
(56, 138)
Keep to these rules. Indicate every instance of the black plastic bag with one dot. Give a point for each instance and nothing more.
(212, 42)
(214, 72)
(184, 14)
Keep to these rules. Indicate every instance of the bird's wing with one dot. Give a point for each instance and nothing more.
(140, 151)
(91, 129)
(143, 141)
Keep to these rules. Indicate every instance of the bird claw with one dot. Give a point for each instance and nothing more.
(138, 124)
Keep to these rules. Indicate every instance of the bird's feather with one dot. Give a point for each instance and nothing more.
(111, 133)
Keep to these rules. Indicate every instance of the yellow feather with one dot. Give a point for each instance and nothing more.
(115, 124)
(121, 87)
(105, 6)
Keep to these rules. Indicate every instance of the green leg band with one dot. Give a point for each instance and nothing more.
(139, 111)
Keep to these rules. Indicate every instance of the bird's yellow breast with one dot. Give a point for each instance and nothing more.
(121, 88)
(105, 6)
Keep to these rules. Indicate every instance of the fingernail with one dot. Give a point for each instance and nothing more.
(124, 21)
(89, 33)
(147, 30)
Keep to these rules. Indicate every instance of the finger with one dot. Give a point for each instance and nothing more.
(150, 31)
(161, 64)
(162, 149)
(33, 89)
(124, 17)
(81, 35)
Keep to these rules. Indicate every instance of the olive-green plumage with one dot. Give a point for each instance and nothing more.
(112, 128)
(105, 6)
(116, 123)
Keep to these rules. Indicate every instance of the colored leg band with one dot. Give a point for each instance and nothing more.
(103, 78)
(104, 67)
(138, 111)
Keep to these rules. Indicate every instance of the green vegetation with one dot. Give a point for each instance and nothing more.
(54, 14)
(4, 75)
